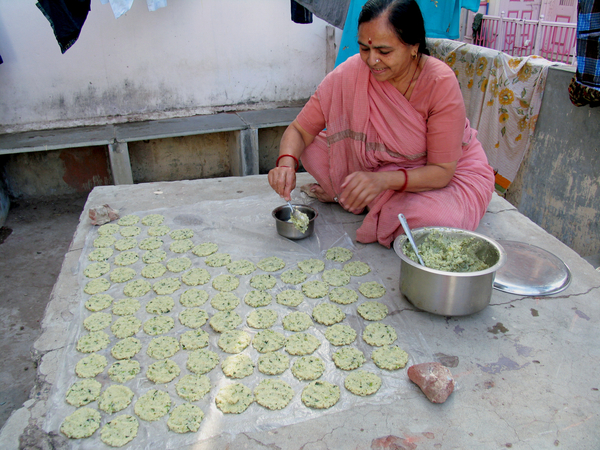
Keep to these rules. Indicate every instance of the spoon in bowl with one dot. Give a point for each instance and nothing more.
(293, 211)
(410, 236)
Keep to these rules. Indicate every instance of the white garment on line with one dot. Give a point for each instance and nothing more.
(120, 7)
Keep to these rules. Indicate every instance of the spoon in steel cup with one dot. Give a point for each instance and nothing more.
(410, 236)
(293, 211)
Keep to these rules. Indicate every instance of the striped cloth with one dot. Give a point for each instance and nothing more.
(588, 43)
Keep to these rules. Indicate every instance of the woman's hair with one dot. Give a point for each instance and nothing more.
(404, 16)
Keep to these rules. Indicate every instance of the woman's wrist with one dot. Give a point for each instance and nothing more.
(287, 160)
(405, 184)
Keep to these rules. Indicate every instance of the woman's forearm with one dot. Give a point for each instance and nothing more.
(360, 188)
(426, 178)
(293, 142)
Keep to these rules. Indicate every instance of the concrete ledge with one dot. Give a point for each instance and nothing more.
(244, 156)
(44, 140)
(183, 126)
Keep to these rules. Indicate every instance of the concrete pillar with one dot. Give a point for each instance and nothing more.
(244, 153)
(119, 163)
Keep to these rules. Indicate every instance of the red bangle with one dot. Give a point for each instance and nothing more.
(405, 179)
(291, 156)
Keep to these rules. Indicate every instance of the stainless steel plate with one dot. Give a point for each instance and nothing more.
(531, 271)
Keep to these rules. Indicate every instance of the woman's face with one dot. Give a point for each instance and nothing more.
(387, 56)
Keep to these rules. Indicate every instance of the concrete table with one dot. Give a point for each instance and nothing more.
(526, 367)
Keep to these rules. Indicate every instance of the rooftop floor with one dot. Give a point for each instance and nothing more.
(526, 368)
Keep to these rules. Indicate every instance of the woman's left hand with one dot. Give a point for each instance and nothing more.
(360, 189)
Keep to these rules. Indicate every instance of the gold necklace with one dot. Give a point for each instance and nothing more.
(413, 76)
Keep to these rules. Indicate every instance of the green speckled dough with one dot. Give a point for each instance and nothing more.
(362, 383)
(126, 348)
(93, 342)
(193, 297)
(271, 264)
(123, 371)
(273, 394)
(192, 387)
(119, 431)
(126, 326)
(185, 418)
(122, 274)
(234, 398)
(158, 325)
(238, 366)
(348, 358)
(90, 366)
(297, 321)
(163, 371)
(193, 317)
(202, 361)
(126, 258)
(162, 347)
(115, 398)
(81, 424)
(83, 392)
(153, 405)
(225, 320)
(320, 394)
(194, 339)
(234, 341)
(196, 276)
(268, 341)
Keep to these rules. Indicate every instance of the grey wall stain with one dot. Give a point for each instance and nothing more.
(558, 182)
(581, 314)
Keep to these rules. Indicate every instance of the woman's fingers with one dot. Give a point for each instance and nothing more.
(359, 189)
(283, 181)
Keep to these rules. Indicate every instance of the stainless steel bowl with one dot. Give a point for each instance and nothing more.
(287, 229)
(449, 293)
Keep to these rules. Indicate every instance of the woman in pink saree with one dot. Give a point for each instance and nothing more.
(386, 132)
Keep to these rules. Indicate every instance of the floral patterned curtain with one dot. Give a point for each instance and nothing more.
(503, 96)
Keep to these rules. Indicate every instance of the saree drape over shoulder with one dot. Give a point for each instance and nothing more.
(370, 126)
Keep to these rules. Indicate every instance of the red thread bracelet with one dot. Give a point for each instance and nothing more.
(405, 179)
(291, 156)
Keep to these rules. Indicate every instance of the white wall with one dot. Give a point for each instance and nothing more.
(192, 57)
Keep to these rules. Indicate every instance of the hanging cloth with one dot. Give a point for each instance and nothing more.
(477, 20)
(300, 14)
(585, 86)
(331, 11)
(66, 18)
(120, 7)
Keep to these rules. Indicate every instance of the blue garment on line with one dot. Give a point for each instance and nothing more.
(441, 21)
(120, 7)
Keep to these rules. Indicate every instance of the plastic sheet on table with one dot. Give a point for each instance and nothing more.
(244, 229)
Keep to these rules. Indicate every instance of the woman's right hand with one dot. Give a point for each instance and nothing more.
(283, 181)
(293, 142)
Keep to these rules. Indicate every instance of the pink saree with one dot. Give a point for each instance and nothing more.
(370, 126)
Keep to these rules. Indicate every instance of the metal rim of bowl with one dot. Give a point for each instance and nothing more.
(302, 208)
(399, 243)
